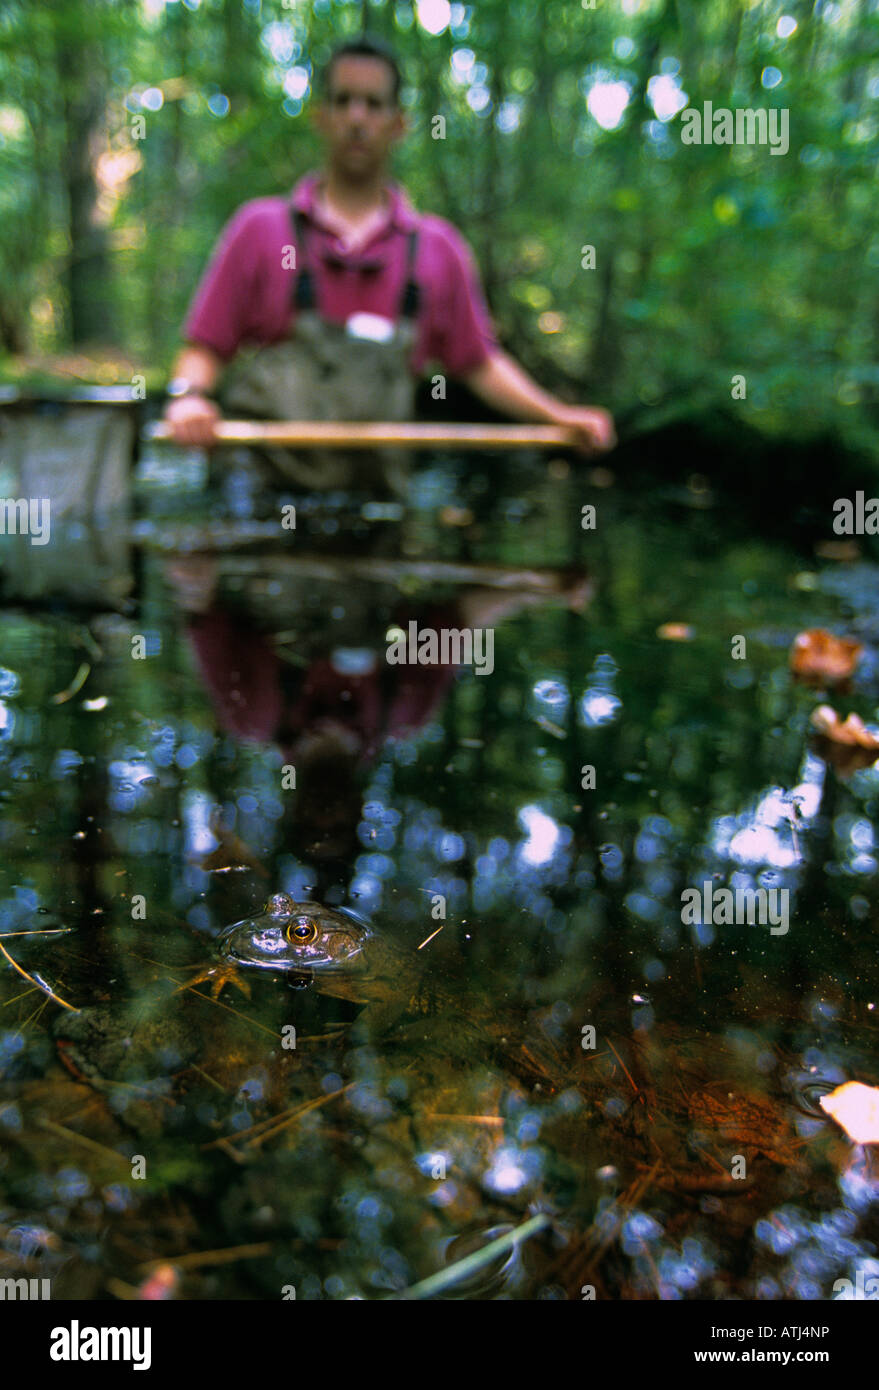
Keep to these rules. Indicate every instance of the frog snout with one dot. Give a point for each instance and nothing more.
(257, 946)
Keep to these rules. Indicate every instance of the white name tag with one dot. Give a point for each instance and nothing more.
(370, 327)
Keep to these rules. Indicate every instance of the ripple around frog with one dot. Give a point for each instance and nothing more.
(506, 1269)
(807, 1098)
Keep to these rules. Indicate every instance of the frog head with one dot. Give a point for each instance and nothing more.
(303, 937)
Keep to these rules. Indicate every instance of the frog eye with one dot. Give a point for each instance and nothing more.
(301, 932)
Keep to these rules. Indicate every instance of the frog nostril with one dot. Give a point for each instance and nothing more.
(280, 905)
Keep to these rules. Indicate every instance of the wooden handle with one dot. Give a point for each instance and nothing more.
(395, 572)
(317, 434)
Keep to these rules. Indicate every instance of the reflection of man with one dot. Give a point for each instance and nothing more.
(377, 292)
(331, 714)
(329, 718)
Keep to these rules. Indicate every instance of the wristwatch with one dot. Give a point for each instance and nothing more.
(182, 386)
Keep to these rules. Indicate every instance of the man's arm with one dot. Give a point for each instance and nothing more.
(507, 387)
(217, 321)
(192, 415)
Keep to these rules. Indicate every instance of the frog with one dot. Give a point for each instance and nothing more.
(343, 956)
(152, 1033)
(335, 950)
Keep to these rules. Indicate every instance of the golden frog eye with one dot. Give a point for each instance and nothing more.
(301, 931)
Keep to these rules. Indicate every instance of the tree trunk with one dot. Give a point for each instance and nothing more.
(82, 84)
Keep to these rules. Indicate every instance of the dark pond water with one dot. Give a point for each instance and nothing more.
(564, 1047)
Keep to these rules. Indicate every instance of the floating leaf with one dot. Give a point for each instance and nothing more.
(843, 551)
(855, 1107)
(852, 733)
(821, 658)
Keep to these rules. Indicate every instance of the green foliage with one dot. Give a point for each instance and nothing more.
(711, 261)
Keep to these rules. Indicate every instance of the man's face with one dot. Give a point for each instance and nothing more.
(359, 118)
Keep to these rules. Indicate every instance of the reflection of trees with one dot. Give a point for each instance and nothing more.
(691, 743)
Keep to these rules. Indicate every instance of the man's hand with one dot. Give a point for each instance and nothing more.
(591, 426)
(505, 386)
(192, 419)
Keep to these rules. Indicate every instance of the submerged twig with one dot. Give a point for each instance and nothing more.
(35, 980)
(625, 1069)
(75, 685)
(273, 1124)
(210, 1257)
(37, 931)
(15, 998)
(64, 1133)
(229, 1010)
(470, 1264)
(493, 1121)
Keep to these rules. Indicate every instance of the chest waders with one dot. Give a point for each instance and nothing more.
(321, 372)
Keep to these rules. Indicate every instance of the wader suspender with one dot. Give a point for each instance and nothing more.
(304, 296)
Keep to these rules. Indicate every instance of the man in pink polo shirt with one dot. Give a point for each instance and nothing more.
(372, 293)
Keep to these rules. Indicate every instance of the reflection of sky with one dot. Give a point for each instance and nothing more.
(551, 697)
(817, 1256)
(818, 1252)
(198, 836)
(772, 832)
(597, 707)
(600, 704)
(130, 783)
(660, 1266)
(764, 835)
(543, 836)
(512, 1168)
(415, 848)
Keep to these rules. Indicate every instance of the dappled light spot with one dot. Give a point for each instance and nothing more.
(607, 102)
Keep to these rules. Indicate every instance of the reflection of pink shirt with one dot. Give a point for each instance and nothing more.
(242, 673)
(245, 294)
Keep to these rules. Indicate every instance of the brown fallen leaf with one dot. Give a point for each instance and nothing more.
(838, 550)
(845, 761)
(820, 658)
(855, 1107)
(852, 733)
(455, 516)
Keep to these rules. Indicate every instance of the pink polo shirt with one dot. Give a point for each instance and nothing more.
(245, 294)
